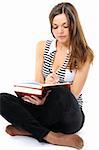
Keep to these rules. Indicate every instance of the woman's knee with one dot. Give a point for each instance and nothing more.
(78, 122)
(2, 101)
(6, 98)
(2, 97)
(73, 121)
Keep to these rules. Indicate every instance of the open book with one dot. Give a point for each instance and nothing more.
(35, 88)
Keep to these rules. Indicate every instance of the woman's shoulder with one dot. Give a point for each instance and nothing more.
(41, 44)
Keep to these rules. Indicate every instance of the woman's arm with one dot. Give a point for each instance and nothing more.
(80, 78)
(39, 61)
(38, 74)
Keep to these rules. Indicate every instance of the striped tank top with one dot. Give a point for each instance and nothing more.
(64, 74)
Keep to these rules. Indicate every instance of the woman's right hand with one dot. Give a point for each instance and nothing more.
(52, 78)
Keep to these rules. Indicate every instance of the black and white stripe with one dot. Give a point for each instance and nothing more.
(48, 62)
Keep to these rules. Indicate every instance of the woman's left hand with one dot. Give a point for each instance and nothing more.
(36, 100)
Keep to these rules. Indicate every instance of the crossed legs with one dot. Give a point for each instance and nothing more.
(25, 125)
(71, 140)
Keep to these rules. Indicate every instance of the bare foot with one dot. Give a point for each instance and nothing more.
(12, 130)
(71, 140)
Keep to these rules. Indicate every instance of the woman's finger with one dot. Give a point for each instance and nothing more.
(32, 100)
(35, 97)
(25, 99)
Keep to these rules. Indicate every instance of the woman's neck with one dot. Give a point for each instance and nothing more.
(62, 47)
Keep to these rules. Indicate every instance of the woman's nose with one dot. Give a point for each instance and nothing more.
(60, 29)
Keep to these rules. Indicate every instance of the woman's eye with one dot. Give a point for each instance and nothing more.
(55, 27)
(66, 26)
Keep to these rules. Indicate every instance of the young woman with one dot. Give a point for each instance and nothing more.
(59, 115)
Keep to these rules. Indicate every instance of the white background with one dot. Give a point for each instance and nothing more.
(22, 24)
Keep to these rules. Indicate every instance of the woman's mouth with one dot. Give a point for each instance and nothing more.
(61, 37)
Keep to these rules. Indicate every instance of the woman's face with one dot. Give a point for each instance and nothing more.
(60, 28)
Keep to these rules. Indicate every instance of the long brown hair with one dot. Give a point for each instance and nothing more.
(80, 49)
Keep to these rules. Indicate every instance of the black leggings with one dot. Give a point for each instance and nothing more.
(60, 113)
